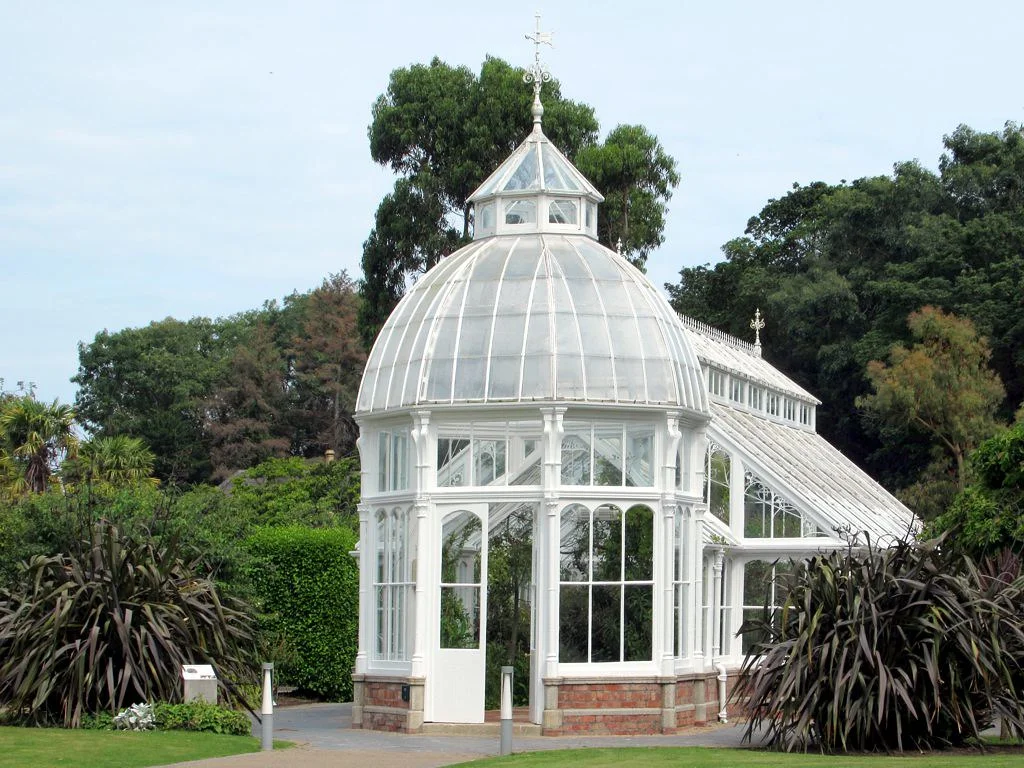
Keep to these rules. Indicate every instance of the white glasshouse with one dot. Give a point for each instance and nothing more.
(656, 468)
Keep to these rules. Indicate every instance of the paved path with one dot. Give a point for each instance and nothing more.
(326, 738)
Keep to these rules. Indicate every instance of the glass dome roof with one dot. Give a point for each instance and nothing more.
(537, 317)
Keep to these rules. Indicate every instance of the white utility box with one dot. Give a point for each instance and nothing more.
(200, 682)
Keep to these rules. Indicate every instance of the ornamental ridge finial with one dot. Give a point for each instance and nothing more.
(538, 74)
(757, 324)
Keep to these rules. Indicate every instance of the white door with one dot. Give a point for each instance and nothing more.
(457, 683)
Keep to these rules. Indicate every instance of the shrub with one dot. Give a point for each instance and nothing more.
(307, 585)
(138, 717)
(201, 716)
(112, 628)
(886, 649)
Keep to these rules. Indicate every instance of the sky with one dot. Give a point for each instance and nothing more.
(197, 158)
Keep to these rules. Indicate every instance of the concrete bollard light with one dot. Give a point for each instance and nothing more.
(267, 711)
(506, 710)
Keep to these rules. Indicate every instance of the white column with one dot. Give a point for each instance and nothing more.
(553, 431)
(716, 606)
(695, 544)
(366, 603)
(422, 485)
(669, 508)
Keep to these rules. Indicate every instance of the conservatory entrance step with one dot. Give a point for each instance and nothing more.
(521, 726)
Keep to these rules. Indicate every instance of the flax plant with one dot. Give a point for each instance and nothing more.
(886, 649)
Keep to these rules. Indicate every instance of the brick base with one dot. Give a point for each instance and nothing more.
(572, 706)
(378, 703)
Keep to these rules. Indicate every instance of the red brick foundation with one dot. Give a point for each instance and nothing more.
(378, 703)
(572, 706)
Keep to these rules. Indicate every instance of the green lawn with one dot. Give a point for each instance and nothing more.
(51, 747)
(700, 757)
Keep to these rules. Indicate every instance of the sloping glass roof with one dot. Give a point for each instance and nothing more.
(537, 317)
(812, 474)
(536, 166)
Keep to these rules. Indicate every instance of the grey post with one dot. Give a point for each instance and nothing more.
(506, 710)
(267, 740)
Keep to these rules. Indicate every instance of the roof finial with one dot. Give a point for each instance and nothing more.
(538, 73)
(757, 324)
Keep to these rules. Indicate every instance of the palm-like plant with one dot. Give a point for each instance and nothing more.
(116, 461)
(34, 438)
(112, 628)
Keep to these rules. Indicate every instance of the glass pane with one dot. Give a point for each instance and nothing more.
(460, 617)
(606, 612)
(574, 552)
(487, 216)
(451, 462)
(460, 548)
(521, 212)
(400, 461)
(639, 453)
(719, 466)
(787, 521)
(757, 575)
(381, 546)
(383, 453)
(682, 624)
(396, 648)
(607, 547)
(757, 504)
(608, 454)
(576, 454)
(751, 638)
(572, 633)
(639, 547)
(527, 175)
(562, 212)
(381, 621)
(488, 460)
(638, 622)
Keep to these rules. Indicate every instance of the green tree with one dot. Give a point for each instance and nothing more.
(152, 383)
(245, 418)
(327, 363)
(836, 269)
(941, 386)
(988, 516)
(636, 176)
(34, 439)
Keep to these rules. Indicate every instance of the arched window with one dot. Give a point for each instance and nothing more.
(607, 589)
(716, 484)
(768, 515)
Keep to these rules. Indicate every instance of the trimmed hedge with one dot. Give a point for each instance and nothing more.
(307, 585)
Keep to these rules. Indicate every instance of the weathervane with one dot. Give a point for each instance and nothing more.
(757, 324)
(538, 73)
